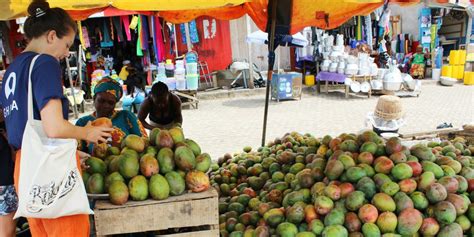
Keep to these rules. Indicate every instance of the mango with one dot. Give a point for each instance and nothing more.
(409, 221)
(138, 188)
(158, 187)
(135, 143)
(118, 193)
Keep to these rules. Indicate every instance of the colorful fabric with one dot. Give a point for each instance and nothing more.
(193, 32)
(110, 86)
(123, 122)
(417, 70)
(8, 200)
(139, 40)
(106, 40)
(145, 32)
(126, 26)
(118, 28)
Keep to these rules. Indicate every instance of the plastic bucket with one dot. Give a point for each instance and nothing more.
(436, 74)
(192, 81)
(447, 71)
(454, 57)
(191, 68)
(309, 80)
(460, 72)
(180, 84)
(462, 57)
(171, 83)
(468, 78)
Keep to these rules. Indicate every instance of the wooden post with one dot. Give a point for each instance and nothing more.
(249, 47)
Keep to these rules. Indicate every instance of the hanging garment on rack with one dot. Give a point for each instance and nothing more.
(193, 32)
(144, 32)
(368, 29)
(118, 28)
(126, 26)
(139, 41)
(158, 44)
(106, 40)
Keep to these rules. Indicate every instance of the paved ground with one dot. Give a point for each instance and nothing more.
(227, 125)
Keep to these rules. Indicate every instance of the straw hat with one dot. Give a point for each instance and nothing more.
(389, 107)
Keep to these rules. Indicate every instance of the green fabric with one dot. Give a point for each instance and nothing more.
(124, 122)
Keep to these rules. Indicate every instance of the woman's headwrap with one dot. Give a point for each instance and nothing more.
(110, 86)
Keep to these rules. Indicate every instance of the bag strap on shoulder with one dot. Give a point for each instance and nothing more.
(30, 89)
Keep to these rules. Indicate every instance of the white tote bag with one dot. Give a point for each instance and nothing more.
(50, 184)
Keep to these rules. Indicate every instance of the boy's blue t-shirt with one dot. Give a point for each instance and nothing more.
(46, 79)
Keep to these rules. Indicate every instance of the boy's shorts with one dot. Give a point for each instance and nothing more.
(8, 200)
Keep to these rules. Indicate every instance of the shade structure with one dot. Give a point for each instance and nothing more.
(260, 37)
(324, 14)
(11, 9)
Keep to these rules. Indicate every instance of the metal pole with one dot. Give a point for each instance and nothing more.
(271, 61)
(470, 13)
(249, 46)
(76, 115)
(175, 40)
(79, 64)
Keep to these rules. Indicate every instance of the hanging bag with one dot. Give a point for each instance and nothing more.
(50, 184)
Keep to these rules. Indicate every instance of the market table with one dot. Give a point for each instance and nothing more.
(334, 79)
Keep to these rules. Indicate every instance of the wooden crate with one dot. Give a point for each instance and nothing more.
(187, 210)
(445, 134)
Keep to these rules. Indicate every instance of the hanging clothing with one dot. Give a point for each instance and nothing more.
(126, 26)
(368, 30)
(144, 32)
(106, 39)
(193, 32)
(139, 41)
(118, 28)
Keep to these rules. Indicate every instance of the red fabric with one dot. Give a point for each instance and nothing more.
(16, 39)
(215, 50)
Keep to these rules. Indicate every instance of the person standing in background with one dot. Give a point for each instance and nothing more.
(8, 197)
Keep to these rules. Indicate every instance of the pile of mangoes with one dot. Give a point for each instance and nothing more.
(350, 185)
(163, 165)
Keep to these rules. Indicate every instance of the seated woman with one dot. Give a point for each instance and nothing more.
(162, 107)
(107, 93)
(418, 62)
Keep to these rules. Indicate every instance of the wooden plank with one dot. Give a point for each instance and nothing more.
(157, 216)
(210, 193)
(432, 132)
(203, 233)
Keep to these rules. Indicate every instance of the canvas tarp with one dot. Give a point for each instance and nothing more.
(11, 9)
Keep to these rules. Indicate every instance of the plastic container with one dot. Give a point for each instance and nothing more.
(191, 68)
(436, 74)
(454, 57)
(447, 71)
(171, 83)
(460, 72)
(192, 81)
(180, 84)
(468, 78)
(179, 73)
(462, 57)
(309, 80)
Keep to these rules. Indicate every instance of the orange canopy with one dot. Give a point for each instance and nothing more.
(304, 12)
